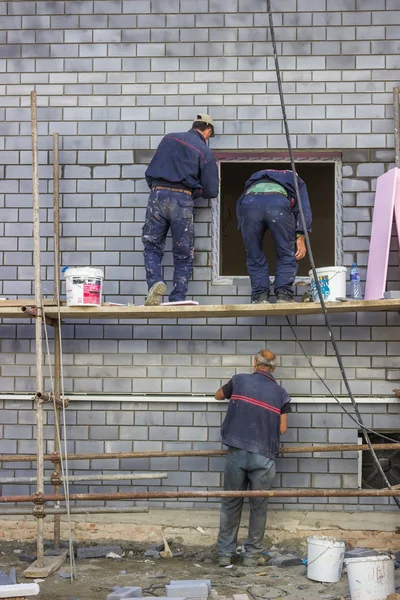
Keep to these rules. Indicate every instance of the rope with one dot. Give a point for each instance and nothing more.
(311, 256)
(64, 470)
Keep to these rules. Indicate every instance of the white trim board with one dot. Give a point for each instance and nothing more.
(197, 399)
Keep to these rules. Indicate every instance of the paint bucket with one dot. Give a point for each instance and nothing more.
(84, 286)
(332, 281)
(325, 558)
(370, 577)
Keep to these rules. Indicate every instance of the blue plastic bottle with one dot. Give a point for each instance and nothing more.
(355, 285)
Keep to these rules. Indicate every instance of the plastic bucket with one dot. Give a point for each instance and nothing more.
(332, 281)
(84, 286)
(370, 577)
(325, 558)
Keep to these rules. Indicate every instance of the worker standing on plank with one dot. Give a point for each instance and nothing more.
(269, 203)
(256, 416)
(182, 169)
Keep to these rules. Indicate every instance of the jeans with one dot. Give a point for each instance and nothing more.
(260, 213)
(244, 470)
(169, 210)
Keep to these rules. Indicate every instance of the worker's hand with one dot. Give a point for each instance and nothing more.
(301, 247)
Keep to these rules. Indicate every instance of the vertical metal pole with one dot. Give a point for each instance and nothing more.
(57, 357)
(39, 506)
(396, 126)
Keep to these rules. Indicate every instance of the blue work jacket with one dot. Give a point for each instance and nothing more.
(183, 160)
(285, 179)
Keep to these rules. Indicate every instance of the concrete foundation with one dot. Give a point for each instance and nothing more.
(374, 530)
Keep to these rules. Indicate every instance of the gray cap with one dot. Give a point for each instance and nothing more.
(205, 118)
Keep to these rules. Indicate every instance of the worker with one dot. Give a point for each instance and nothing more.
(256, 416)
(182, 169)
(269, 203)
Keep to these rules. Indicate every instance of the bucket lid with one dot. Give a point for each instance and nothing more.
(380, 557)
(83, 272)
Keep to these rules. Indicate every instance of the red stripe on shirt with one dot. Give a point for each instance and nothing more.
(256, 403)
(189, 145)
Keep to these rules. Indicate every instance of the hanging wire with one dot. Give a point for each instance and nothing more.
(311, 257)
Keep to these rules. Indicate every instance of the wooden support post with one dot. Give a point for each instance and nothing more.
(39, 505)
(57, 337)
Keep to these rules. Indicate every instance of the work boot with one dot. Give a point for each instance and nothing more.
(256, 560)
(261, 299)
(224, 560)
(155, 294)
(283, 296)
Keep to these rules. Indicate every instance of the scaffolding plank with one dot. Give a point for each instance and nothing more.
(51, 563)
(200, 311)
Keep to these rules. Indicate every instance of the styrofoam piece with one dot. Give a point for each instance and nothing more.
(191, 581)
(387, 202)
(125, 592)
(194, 589)
(19, 590)
(392, 295)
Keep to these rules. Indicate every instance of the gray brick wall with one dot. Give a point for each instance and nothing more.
(99, 426)
(112, 77)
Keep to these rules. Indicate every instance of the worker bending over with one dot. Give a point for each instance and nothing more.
(182, 169)
(256, 416)
(269, 203)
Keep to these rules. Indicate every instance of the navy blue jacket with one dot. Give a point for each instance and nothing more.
(285, 179)
(253, 417)
(183, 160)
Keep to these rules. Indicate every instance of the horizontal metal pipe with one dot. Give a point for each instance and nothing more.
(74, 478)
(295, 493)
(76, 510)
(221, 452)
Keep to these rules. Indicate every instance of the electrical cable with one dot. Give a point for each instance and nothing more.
(385, 437)
(311, 257)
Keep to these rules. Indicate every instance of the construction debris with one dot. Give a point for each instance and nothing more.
(360, 553)
(285, 560)
(97, 551)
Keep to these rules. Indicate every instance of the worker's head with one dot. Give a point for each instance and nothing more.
(205, 125)
(265, 359)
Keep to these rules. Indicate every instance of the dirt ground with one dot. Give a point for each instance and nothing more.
(95, 578)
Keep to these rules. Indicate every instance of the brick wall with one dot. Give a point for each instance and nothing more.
(142, 426)
(112, 77)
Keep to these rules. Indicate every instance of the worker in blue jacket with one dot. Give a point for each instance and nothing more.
(182, 169)
(269, 203)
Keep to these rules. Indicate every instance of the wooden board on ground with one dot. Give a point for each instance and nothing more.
(51, 563)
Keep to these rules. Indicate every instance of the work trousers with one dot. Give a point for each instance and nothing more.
(244, 470)
(259, 213)
(169, 210)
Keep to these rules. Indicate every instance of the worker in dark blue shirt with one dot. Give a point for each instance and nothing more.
(256, 417)
(182, 169)
(269, 203)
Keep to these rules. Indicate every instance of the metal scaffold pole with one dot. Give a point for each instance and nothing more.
(39, 504)
(57, 340)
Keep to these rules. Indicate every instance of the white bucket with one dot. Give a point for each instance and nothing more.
(332, 281)
(84, 286)
(325, 558)
(371, 577)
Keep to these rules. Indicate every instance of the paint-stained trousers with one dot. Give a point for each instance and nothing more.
(244, 470)
(258, 214)
(169, 210)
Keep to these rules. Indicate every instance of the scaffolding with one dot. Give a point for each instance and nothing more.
(50, 311)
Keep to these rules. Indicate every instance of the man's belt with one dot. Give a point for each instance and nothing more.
(267, 188)
(171, 189)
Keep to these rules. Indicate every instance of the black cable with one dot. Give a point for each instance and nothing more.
(385, 437)
(312, 263)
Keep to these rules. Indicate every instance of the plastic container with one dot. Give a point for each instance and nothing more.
(84, 286)
(325, 558)
(370, 577)
(355, 285)
(332, 281)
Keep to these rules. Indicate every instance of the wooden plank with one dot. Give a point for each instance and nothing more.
(51, 563)
(18, 302)
(199, 311)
